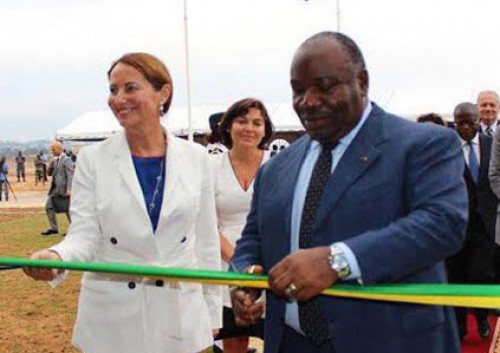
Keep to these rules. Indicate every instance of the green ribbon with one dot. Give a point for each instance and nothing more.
(230, 277)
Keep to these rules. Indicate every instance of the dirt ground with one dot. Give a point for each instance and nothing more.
(25, 194)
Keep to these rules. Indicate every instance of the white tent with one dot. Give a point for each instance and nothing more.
(90, 126)
(99, 125)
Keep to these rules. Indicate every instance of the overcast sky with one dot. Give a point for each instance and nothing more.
(423, 56)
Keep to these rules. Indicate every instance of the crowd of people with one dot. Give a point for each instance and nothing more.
(364, 197)
(478, 260)
(20, 163)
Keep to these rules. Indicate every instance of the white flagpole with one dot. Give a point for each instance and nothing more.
(338, 15)
(188, 81)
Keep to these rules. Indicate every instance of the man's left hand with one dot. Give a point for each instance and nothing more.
(303, 274)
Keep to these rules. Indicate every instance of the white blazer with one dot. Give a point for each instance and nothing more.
(110, 224)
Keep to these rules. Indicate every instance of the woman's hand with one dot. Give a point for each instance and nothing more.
(43, 274)
(226, 249)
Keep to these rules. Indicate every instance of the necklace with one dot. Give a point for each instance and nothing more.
(159, 179)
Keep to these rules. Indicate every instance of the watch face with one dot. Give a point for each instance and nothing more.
(339, 263)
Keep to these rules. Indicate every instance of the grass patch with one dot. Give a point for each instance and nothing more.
(34, 317)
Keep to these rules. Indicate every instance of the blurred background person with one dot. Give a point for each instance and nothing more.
(44, 158)
(488, 105)
(431, 118)
(214, 139)
(4, 182)
(245, 130)
(61, 169)
(143, 197)
(20, 167)
(39, 168)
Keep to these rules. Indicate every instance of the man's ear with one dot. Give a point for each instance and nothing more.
(363, 80)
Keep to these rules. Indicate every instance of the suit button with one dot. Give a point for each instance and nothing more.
(131, 285)
(159, 283)
(113, 240)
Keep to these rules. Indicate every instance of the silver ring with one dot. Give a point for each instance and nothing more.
(291, 290)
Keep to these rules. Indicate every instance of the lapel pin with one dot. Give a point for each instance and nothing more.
(364, 158)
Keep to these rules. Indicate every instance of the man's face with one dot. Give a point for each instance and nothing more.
(487, 104)
(329, 91)
(466, 122)
(56, 149)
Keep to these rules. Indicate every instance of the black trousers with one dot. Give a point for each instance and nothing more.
(473, 264)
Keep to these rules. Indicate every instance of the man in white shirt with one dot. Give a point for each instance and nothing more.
(488, 104)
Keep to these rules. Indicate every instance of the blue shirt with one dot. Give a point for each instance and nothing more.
(148, 171)
(3, 172)
(312, 154)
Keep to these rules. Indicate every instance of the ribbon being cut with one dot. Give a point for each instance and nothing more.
(476, 296)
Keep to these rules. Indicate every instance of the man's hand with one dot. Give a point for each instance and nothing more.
(246, 310)
(43, 274)
(303, 274)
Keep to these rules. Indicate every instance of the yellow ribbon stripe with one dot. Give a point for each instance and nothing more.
(477, 296)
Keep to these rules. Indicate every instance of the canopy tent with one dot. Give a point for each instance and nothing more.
(90, 126)
(98, 125)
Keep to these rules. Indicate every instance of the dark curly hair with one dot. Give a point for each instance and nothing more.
(431, 118)
(241, 108)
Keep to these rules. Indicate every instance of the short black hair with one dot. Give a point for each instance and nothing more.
(349, 45)
(467, 105)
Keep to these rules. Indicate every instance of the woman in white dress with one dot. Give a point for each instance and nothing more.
(245, 128)
(142, 197)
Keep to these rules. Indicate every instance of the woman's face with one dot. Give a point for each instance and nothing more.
(247, 131)
(133, 99)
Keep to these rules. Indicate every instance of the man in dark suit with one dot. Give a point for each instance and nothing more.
(475, 262)
(488, 104)
(61, 169)
(363, 197)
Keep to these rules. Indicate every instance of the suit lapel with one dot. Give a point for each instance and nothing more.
(357, 159)
(484, 151)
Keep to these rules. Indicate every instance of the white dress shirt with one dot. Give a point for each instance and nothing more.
(475, 145)
(292, 309)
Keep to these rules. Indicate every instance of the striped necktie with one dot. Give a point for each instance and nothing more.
(489, 131)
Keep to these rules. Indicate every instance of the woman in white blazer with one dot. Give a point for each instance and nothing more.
(142, 197)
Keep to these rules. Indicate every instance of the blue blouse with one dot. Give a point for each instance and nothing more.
(148, 171)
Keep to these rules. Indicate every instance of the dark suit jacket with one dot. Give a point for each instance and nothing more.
(397, 198)
(481, 127)
(475, 261)
(482, 201)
